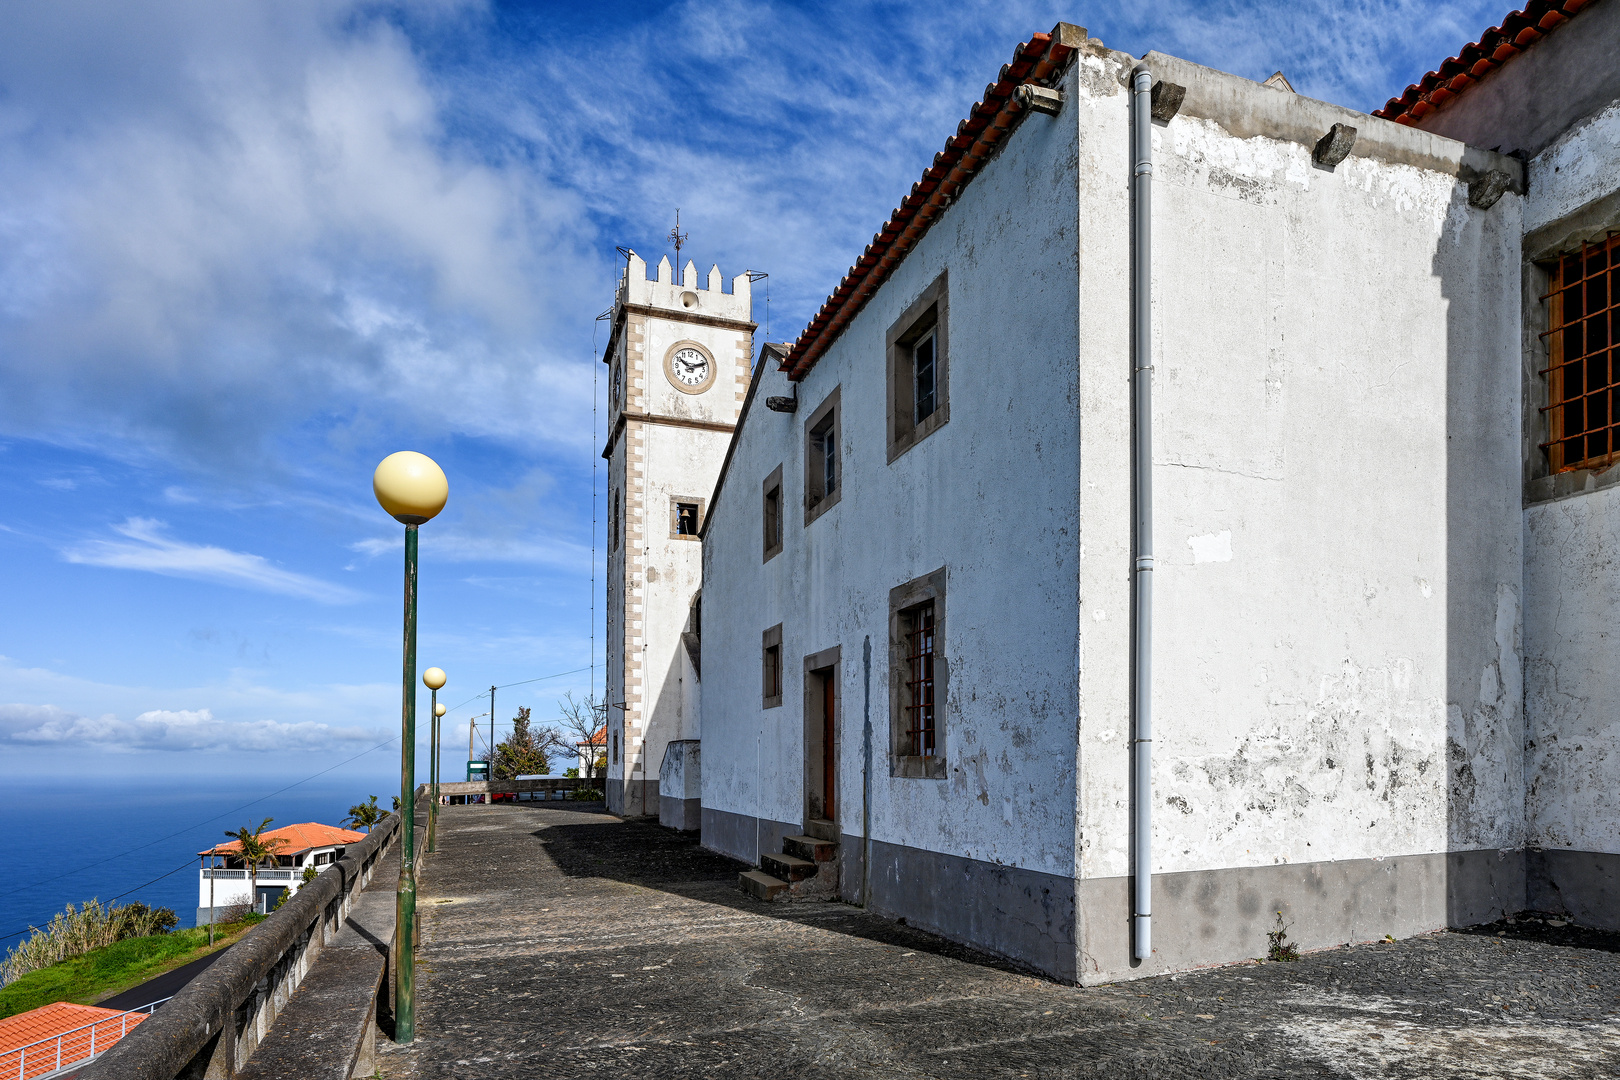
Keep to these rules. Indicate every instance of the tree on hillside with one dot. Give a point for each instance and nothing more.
(583, 725)
(257, 849)
(364, 815)
(520, 753)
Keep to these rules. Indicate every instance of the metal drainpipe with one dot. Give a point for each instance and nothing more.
(1142, 477)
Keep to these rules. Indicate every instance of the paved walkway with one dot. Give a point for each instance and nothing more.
(566, 943)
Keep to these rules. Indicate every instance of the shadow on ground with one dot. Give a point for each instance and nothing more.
(646, 854)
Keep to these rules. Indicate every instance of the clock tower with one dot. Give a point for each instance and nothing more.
(679, 360)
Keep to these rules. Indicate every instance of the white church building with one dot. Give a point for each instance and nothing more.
(1197, 503)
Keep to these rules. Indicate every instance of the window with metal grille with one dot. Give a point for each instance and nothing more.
(1583, 358)
(919, 698)
(686, 519)
(923, 355)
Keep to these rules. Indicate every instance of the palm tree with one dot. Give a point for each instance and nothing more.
(256, 849)
(364, 815)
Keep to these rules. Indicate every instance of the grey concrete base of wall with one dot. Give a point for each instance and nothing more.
(632, 798)
(1220, 916)
(1024, 915)
(742, 836)
(1585, 885)
(683, 814)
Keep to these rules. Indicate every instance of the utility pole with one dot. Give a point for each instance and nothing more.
(472, 729)
(491, 773)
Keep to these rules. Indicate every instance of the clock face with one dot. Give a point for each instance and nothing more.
(689, 367)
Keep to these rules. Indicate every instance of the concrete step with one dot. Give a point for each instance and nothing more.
(809, 847)
(788, 867)
(760, 885)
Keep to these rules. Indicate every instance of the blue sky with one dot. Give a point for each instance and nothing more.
(247, 250)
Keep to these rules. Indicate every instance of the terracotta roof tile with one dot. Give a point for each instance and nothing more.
(296, 838)
(1473, 62)
(49, 1021)
(1039, 60)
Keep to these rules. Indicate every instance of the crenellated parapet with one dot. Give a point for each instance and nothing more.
(663, 291)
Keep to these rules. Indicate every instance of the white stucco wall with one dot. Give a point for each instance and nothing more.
(1580, 167)
(1336, 491)
(1572, 683)
(989, 496)
(1571, 590)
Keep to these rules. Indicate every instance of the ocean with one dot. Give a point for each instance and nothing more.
(70, 842)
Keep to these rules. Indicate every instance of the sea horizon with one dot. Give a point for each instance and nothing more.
(98, 837)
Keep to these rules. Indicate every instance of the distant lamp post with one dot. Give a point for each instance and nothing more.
(433, 679)
(412, 488)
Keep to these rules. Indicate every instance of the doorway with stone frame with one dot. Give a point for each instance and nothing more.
(821, 728)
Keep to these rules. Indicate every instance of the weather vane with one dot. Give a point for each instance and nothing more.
(677, 237)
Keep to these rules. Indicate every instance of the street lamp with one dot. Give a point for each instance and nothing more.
(412, 488)
(433, 679)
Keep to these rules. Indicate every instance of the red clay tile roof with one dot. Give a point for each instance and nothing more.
(599, 739)
(1495, 47)
(49, 1021)
(296, 838)
(1038, 60)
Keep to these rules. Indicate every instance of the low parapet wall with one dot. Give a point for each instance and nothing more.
(549, 786)
(213, 1025)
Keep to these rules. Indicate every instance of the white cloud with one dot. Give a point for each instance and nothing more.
(166, 729)
(147, 548)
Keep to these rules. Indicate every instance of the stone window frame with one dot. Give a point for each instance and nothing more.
(930, 311)
(675, 502)
(773, 483)
(817, 500)
(770, 655)
(1540, 250)
(904, 599)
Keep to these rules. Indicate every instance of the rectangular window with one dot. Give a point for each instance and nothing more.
(771, 667)
(613, 519)
(773, 514)
(923, 355)
(918, 679)
(918, 369)
(1583, 358)
(918, 627)
(823, 464)
(685, 517)
(686, 521)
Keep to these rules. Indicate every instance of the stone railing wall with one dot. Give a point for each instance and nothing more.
(547, 787)
(212, 1026)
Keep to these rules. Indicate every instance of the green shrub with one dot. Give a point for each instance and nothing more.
(585, 795)
(75, 932)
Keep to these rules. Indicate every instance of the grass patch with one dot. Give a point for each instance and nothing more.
(114, 968)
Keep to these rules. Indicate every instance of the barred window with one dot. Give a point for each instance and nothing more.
(1583, 358)
(919, 697)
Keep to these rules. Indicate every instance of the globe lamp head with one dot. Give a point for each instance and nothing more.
(433, 678)
(410, 486)
(439, 709)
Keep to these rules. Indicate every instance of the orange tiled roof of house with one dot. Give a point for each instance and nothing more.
(296, 838)
(598, 739)
(58, 1018)
(1495, 47)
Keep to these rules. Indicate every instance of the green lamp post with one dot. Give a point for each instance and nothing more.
(433, 678)
(412, 488)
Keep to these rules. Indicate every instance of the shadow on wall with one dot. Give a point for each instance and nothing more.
(1478, 269)
(639, 853)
